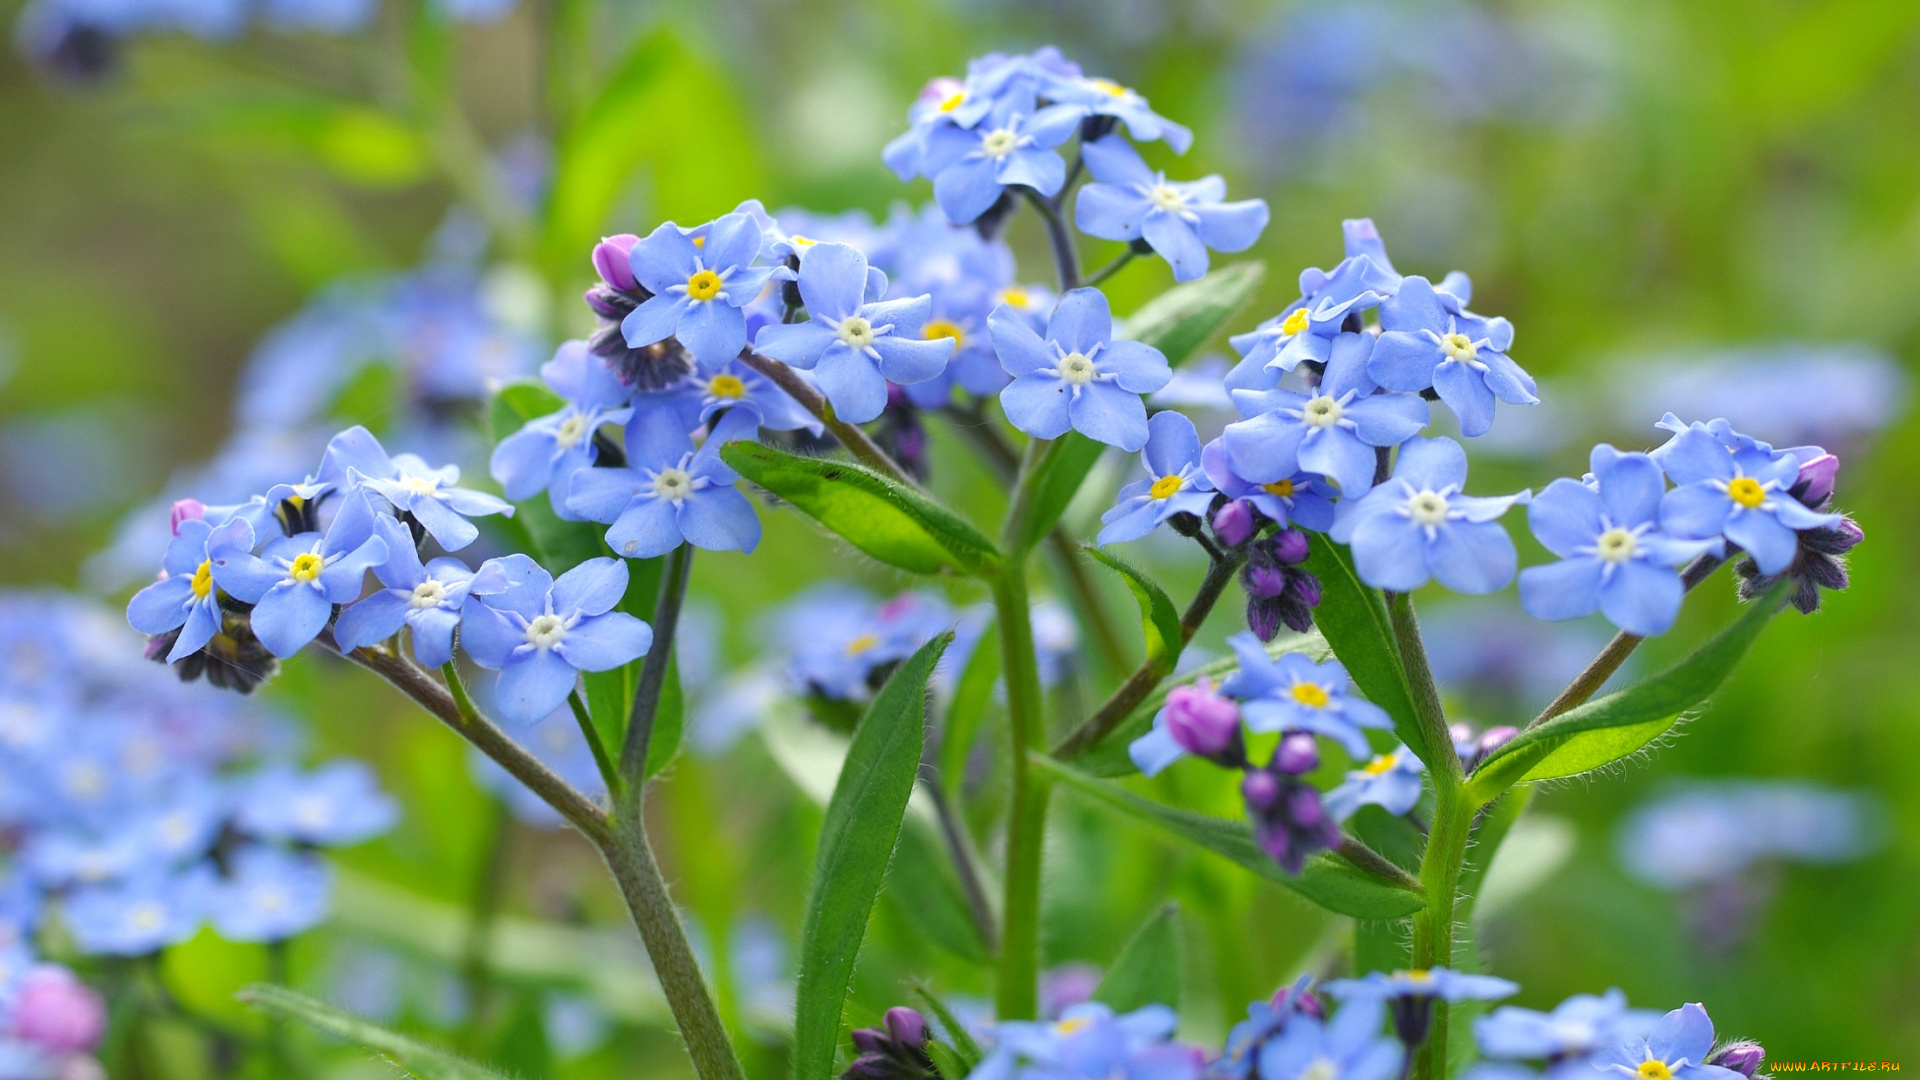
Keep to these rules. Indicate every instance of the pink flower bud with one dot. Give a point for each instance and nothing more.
(942, 88)
(185, 510)
(610, 261)
(1815, 485)
(1200, 720)
(1261, 789)
(1494, 738)
(1234, 523)
(1297, 754)
(57, 1012)
(1290, 547)
(1744, 1057)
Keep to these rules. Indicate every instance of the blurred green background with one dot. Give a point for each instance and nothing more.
(1627, 182)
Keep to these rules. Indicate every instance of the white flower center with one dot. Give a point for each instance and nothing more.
(546, 631)
(1167, 197)
(1459, 347)
(147, 916)
(999, 143)
(1428, 508)
(1322, 412)
(270, 899)
(1616, 545)
(1572, 1033)
(572, 430)
(1076, 369)
(313, 811)
(421, 485)
(856, 333)
(1321, 1069)
(427, 594)
(673, 485)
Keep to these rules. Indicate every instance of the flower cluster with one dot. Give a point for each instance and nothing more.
(49, 1020)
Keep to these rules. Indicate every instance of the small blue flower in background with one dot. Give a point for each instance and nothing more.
(186, 596)
(1390, 781)
(1575, 1028)
(1012, 145)
(1417, 525)
(1180, 221)
(540, 633)
(548, 449)
(1334, 429)
(1439, 982)
(1078, 378)
(270, 895)
(836, 637)
(1298, 500)
(1739, 492)
(336, 805)
(1305, 329)
(1293, 693)
(558, 743)
(1348, 1046)
(670, 493)
(1428, 340)
(141, 915)
(1104, 97)
(1676, 1049)
(1175, 482)
(698, 288)
(1614, 558)
(1090, 1042)
(425, 599)
(1703, 833)
(296, 580)
(356, 459)
(853, 347)
(1265, 1020)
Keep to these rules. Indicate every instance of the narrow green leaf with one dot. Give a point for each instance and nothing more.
(412, 1058)
(1159, 619)
(959, 1039)
(972, 696)
(1180, 320)
(1056, 481)
(1331, 882)
(892, 523)
(1608, 729)
(856, 843)
(1490, 830)
(558, 545)
(1352, 616)
(946, 1060)
(1147, 971)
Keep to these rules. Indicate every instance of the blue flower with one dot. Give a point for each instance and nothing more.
(139, 916)
(1707, 833)
(1305, 329)
(836, 637)
(1429, 340)
(425, 599)
(1175, 482)
(1297, 500)
(1265, 1021)
(669, 492)
(1436, 982)
(336, 805)
(296, 580)
(1417, 525)
(1012, 145)
(1738, 491)
(1089, 1042)
(854, 347)
(1575, 1028)
(270, 895)
(1293, 693)
(1676, 1049)
(356, 459)
(1180, 221)
(1078, 378)
(699, 284)
(1348, 1046)
(1614, 558)
(185, 596)
(1390, 781)
(1334, 430)
(737, 386)
(548, 449)
(1104, 97)
(539, 633)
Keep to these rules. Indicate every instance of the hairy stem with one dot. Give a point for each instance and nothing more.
(1433, 926)
(965, 861)
(857, 442)
(1602, 667)
(653, 673)
(1444, 763)
(1066, 259)
(601, 761)
(1017, 995)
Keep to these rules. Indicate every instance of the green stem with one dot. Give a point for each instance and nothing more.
(581, 716)
(1066, 259)
(461, 702)
(851, 436)
(1018, 992)
(1433, 926)
(1112, 268)
(1441, 759)
(653, 673)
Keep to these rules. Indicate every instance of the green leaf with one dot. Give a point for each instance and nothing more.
(1490, 830)
(966, 1052)
(411, 1058)
(1331, 882)
(1159, 619)
(559, 545)
(856, 843)
(1180, 320)
(927, 895)
(972, 697)
(1608, 729)
(1147, 971)
(1055, 481)
(892, 523)
(1352, 616)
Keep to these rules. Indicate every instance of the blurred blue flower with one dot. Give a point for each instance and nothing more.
(355, 459)
(1438, 982)
(1762, 389)
(669, 493)
(336, 805)
(425, 599)
(1676, 1049)
(1180, 221)
(837, 638)
(1417, 525)
(1175, 482)
(1566, 1036)
(1265, 1021)
(1738, 491)
(739, 386)
(557, 741)
(1335, 430)
(1090, 1042)
(141, 915)
(270, 895)
(296, 581)
(540, 633)
(1390, 781)
(1704, 832)
(1078, 378)
(698, 288)
(545, 452)
(1293, 694)
(1348, 1046)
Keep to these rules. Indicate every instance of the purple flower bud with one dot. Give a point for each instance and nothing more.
(1815, 485)
(1850, 533)
(1290, 547)
(1303, 806)
(609, 304)
(1261, 789)
(1263, 617)
(1311, 1005)
(1263, 580)
(185, 510)
(1304, 587)
(57, 1012)
(1494, 738)
(907, 1026)
(610, 261)
(1744, 1057)
(1202, 721)
(1234, 523)
(869, 1040)
(1296, 754)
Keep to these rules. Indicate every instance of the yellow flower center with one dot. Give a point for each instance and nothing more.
(947, 328)
(1113, 89)
(1167, 487)
(306, 566)
(1381, 764)
(1312, 695)
(1419, 975)
(861, 644)
(727, 386)
(704, 285)
(699, 241)
(1295, 322)
(1654, 1070)
(953, 101)
(203, 579)
(1015, 296)
(1282, 488)
(1747, 491)
(801, 243)
(1459, 347)
(1068, 1027)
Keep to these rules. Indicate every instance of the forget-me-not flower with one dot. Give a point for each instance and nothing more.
(1078, 377)
(854, 348)
(186, 597)
(1265, 1021)
(1390, 781)
(1012, 145)
(1334, 429)
(1614, 557)
(1676, 1049)
(1739, 493)
(1175, 484)
(1195, 720)
(1575, 1028)
(1292, 693)
(1418, 525)
(699, 281)
(1305, 329)
(141, 915)
(1298, 500)
(1090, 1042)
(270, 895)
(1104, 97)
(336, 805)
(1438, 982)
(425, 599)
(1347, 1046)
(540, 633)
(1180, 221)
(670, 493)
(836, 637)
(356, 459)
(1425, 342)
(545, 452)
(296, 580)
